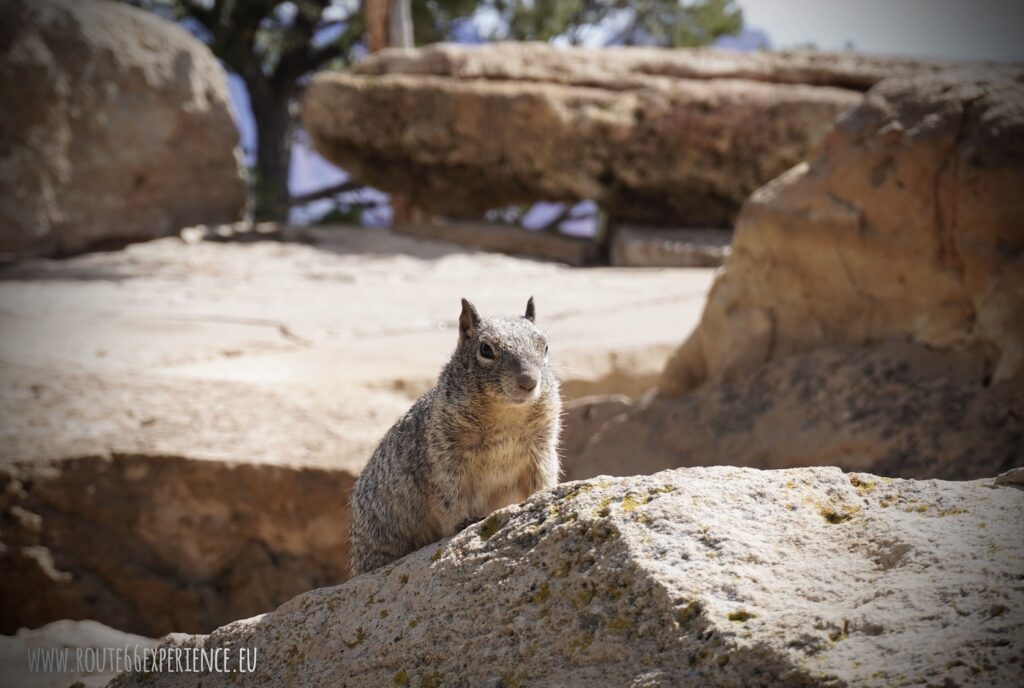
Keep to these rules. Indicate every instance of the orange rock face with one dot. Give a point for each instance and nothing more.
(909, 225)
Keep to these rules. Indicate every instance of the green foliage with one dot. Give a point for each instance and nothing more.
(669, 23)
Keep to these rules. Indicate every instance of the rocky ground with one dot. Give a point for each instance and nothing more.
(708, 576)
(218, 398)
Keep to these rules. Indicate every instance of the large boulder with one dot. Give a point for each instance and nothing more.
(653, 136)
(908, 225)
(706, 577)
(116, 127)
(899, 410)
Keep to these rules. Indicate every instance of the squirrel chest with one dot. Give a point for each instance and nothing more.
(499, 463)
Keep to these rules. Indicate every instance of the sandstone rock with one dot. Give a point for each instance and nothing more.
(907, 226)
(84, 643)
(631, 67)
(653, 136)
(898, 410)
(711, 576)
(154, 506)
(116, 127)
(155, 544)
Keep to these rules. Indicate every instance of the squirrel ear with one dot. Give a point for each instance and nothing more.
(469, 319)
(531, 312)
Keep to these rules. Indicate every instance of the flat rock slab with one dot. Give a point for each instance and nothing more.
(663, 247)
(706, 577)
(297, 353)
(667, 137)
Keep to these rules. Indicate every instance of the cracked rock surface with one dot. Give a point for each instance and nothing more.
(705, 576)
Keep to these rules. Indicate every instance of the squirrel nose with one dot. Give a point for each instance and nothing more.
(527, 381)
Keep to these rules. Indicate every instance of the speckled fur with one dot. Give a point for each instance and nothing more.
(469, 446)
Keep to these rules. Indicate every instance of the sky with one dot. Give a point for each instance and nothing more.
(947, 29)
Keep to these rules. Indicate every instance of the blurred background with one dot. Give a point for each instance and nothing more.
(234, 237)
(935, 29)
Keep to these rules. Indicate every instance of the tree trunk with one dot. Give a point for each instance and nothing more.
(273, 153)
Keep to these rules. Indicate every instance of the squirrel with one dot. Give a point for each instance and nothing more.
(484, 437)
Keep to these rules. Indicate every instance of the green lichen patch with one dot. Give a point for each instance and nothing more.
(687, 613)
(509, 680)
(631, 502)
(434, 680)
(581, 642)
(836, 514)
(582, 598)
(863, 487)
(358, 640)
(541, 594)
(437, 555)
(489, 527)
(620, 624)
(401, 678)
(415, 622)
(741, 615)
(573, 494)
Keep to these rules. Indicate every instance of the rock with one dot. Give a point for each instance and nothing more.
(906, 226)
(156, 506)
(897, 410)
(184, 459)
(116, 127)
(156, 544)
(653, 136)
(515, 241)
(707, 576)
(657, 247)
(84, 645)
(581, 419)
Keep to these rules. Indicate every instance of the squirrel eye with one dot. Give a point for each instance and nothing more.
(545, 349)
(486, 351)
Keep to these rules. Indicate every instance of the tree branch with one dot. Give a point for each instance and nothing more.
(325, 192)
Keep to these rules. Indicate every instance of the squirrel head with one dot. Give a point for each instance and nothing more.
(505, 358)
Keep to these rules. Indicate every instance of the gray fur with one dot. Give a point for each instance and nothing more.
(476, 442)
